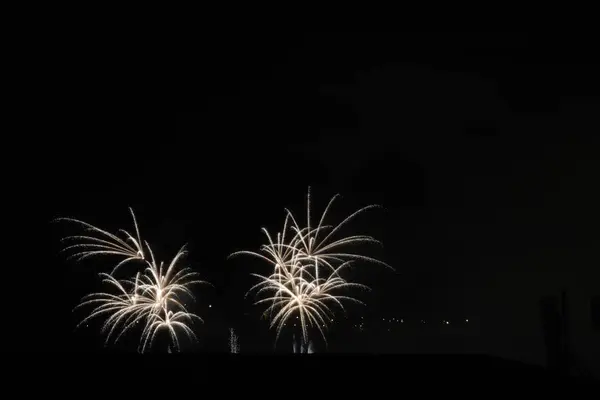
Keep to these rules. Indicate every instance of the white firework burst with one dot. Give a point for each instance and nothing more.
(324, 250)
(100, 242)
(170, 321)
(125, 308)
(306, 269)
(154, 299)
(305, 297)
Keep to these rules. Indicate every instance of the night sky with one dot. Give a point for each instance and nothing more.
(480, 147)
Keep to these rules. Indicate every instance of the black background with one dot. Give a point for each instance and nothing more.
(481, 147)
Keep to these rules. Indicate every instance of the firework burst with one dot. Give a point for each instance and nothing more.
(125, 308)
(170, 321)
(305, 297)
(324, 250)
(306, 270)
(154, 299)
(100, 242)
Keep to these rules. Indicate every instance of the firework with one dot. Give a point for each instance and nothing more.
(171, 322)
(166, 288)
(304, 297)
(126, 308)
(305, 245)
(105, 243)
(154, 299)
(324, 251)
(306, 270)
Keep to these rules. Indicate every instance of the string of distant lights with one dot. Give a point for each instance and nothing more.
(396, 321)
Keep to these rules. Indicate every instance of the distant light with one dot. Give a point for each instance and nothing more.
(210, 305)
(447, 323)
(466, 320)
(401, 321)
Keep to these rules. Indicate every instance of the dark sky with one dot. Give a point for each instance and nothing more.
(481, 148)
